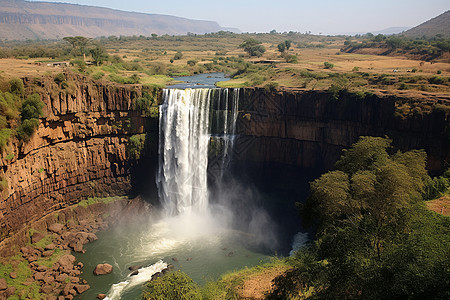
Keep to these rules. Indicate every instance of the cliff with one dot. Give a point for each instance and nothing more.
(79, 150)
(21, 20)
(309, 129)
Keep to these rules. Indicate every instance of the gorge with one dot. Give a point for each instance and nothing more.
(275, 139)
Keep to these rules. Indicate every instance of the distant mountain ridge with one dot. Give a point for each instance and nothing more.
(432, 27)
(22, 20)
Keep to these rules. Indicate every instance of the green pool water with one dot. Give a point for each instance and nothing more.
(202, 247)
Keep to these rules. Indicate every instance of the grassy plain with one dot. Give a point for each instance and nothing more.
(157, 60)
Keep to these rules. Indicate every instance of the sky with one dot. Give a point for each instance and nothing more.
(317, 16)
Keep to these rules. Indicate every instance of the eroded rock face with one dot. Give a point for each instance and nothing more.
(309, 129)
(78, 151)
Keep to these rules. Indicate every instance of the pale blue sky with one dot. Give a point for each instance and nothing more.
(318, 16)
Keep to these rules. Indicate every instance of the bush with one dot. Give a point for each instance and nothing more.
(98, 75)
(136, 145)
(192, 62)
(27, 129)
(5, 134)
(178, 55)
(59, 78)
(174, 286)
(328, 65)
(32, 107)
(292, 59)
(16, 86)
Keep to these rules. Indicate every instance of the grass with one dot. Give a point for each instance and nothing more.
(233, 285)
(51, 260)
(89, 201)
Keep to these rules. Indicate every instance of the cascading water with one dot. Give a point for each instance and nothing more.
(184, 136)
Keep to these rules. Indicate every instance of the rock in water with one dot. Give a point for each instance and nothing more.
(103, 269)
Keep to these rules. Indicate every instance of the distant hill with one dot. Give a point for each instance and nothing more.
(391, 30)
(437, 25)
(22, 20)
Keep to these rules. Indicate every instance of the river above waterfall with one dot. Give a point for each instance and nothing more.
(206, 80)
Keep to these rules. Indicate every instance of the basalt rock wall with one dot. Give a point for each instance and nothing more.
(78, 151)
(309, 129)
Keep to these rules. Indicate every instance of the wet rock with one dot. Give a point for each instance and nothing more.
(134, 268)
(189, 259)
(175, 259)
(102, 269)
(101, 296)
(36, 237)
(81, 288)
(56, 228)
(170, 267)
(134, 273)
(80, 265)
(156, 275)
(3, 284)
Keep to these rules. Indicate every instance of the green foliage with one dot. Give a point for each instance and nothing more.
(32, 107)
(59, 78)
(271, 86)
(178, 55)
(94, 200)
(3, 184)
(253, 47)
(437, 186)
(98, 75)
(191, 62)
(124, 80)
(375, 239)
(136, 145)
(5, 134)
(174, 286)
(292, 59)
(99, 55)
(282, 47)
(27, 129)
(328, 65)
(16, 86)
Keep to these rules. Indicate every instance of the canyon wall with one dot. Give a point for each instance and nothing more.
(309, 129)
(80, 148)
(78, 151)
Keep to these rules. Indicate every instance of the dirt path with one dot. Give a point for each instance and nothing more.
(441, 205)
(258, 285)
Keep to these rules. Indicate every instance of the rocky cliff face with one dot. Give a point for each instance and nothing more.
(310, 129)
(78, 151)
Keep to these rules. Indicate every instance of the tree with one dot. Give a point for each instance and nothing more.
(78, 44)
(282, 47)
(99, 55)
(253, 47)
(375, 239)
(174, 286)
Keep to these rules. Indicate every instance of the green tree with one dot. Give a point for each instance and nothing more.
(282, 47)
(99, 55)
(375, 239)
(174, 286)
(253, 47)
(78, 43)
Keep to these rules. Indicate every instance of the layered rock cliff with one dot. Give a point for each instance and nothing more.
(309, 129)
(79, 150)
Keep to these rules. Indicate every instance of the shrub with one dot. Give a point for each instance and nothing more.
(328, 65)
(136, 145)
(292, 59)
(16, 86)
(98, 75)
(271, 86)
(5, 134)
(59, 78)
(174, 286)
(192, 62)
(178, 55)
(32, 107)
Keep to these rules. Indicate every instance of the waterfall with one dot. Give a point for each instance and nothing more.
(185, 122)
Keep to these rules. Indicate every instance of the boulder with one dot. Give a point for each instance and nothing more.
(36, 237)
(56, 228)
(66, 262)
(3, 284)
(50, 247)
(134, 273)
(13, 275)
(48, 253)
(10, 291)
(61, 277)
(102, 269)
(101, 296)
(134, 268)
(81, 288)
